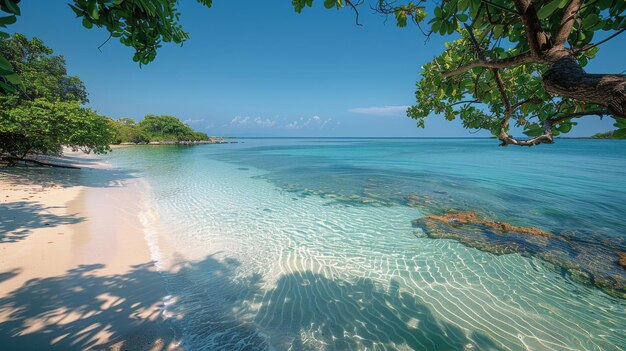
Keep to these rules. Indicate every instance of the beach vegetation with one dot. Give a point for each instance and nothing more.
(506, 63)
(47, 112)
(513, 63)
(153, 128)
(613, 134)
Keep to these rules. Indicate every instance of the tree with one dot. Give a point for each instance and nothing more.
(127, 131)
(514, 62)
(168, 128)
(154, 128)
(141, 24)
(508, 62)
(44, 127)
(46, 113)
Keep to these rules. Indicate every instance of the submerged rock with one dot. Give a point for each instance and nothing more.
(597, 263)
(622, 259)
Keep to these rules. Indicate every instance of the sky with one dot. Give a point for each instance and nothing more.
(257, 68)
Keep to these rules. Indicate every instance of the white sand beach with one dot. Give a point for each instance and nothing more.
(75, 269)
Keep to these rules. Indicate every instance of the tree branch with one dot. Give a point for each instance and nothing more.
(537, 38)
(356, 11)
(588, 47)
(563, 118)
(547, 137)
(14, 160)
(516, 60)
(464, 102)
(567, 22)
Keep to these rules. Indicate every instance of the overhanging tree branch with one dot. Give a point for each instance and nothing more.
(516, 60)
(537, 38)
(356, 11)
(564, 118)
(548, 137)
(567, 22)
(591, 46)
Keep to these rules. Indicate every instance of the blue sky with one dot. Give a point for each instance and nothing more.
(260, 69)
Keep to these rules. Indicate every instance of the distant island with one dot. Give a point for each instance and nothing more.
(608, 135)
(158, 130)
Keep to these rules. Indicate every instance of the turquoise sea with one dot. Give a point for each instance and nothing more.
(310, 244)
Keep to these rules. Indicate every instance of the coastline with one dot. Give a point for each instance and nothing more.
(76, 271)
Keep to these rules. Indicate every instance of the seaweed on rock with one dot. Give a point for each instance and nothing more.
(599, 263)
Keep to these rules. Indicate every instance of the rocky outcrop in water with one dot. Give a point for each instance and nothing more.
(596, 262)
(211, 140)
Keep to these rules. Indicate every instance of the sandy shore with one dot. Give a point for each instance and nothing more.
(75, 269)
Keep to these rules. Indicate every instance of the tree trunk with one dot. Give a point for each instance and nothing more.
(12, 161)
(566, 78)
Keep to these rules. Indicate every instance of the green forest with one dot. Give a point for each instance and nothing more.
(46, 112)
(153, 128)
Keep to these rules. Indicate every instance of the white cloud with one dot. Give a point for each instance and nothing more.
(247, 121)
(264, 122)
(278, 123)
(292, 125)
(193, 121)
(380, 110)
(240, 121)
(312, 120)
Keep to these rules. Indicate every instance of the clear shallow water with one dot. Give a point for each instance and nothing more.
(307, 244)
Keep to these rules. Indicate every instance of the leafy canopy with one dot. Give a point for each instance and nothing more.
(46, 113)
(141, 24)
(44, 127)
(491, 75)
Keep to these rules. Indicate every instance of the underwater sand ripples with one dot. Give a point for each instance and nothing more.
(308, 273)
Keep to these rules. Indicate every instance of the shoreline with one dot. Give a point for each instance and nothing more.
(77, 271)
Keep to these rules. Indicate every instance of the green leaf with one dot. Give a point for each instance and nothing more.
(565, 127)
(548, 9)
(13, 78)
(533, 132)
(87, 24)
(6, 20)
(590, 20)
(12, 7)
(329, 4)
(5, 64)
(462, 5)
(438, 12)
(4, 86)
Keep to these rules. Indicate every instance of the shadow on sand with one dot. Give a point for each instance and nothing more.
(19, 218)
(48, 177)
(219, 309)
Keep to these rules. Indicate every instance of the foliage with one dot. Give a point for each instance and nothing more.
(43, 74)
(154, 128)
(474, 96)
(491, 74)
(127, 131)
(141, 24)
(46, 113)
(43, 127)
(609, 135)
